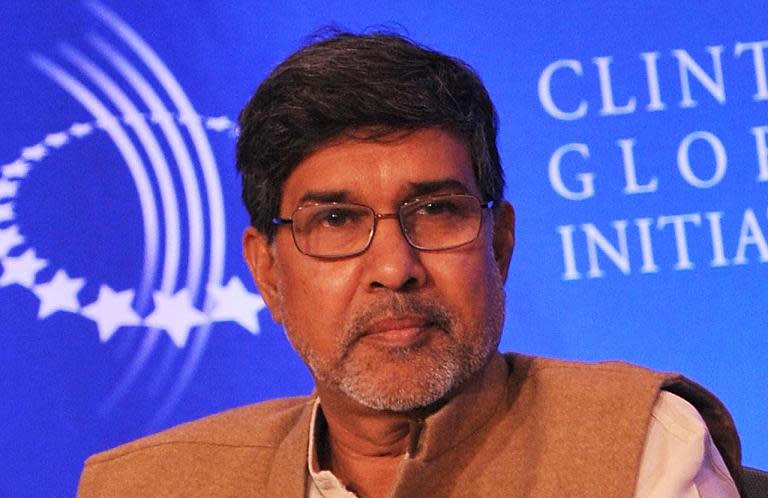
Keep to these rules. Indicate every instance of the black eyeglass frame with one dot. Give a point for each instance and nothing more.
(380, 216)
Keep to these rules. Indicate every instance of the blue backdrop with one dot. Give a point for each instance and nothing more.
(634, 139)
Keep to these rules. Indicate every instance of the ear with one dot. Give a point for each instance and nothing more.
(503, 236)
(260, 258)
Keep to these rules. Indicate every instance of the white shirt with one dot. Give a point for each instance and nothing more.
(680, 460)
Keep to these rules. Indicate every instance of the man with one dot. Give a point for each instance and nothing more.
(381, 241)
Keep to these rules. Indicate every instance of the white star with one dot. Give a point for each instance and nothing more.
(9, 238)
(8, 189)
(6, 212)
(112, 310)
(60, 294)
(34, 153)
(56, 140)
(16, 169)
(22, 270)
(235, 303)
(80, 130)
(220, 123)
(176, 315)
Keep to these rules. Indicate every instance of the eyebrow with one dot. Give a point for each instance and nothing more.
(325, 196)
(415, 189)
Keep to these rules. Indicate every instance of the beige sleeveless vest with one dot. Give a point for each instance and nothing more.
(529, 427)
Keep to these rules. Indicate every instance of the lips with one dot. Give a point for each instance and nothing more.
(402, 331)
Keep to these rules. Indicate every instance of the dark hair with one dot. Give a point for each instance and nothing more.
(375, 83)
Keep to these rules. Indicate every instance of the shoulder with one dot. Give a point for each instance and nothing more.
(680, 454)
(232, 453)
(613, 398)
(259, 425)
(674, 415)
(619, 399)
(575, 374)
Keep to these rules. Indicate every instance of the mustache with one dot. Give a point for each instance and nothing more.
(433, 313)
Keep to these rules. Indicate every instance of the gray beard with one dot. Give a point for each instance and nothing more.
(441, 370)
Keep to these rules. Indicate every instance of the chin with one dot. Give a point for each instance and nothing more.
(408, 382)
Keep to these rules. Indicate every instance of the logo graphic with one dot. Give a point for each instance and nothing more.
(137, 103)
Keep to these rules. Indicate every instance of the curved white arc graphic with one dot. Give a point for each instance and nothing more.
(210, 175)
(194, 204)
(111, 126)
(132, 116)
(192, 194)
(169, 83)
(165, 120)
(175, 140)
(189, 182)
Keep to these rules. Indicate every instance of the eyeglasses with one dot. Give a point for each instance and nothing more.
(340, 229)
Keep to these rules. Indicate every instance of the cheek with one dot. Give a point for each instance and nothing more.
(315, 297)
(311, 284)
(322, 285)
(470, 284)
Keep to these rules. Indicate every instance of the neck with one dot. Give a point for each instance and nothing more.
(365, 432)
(364, 447)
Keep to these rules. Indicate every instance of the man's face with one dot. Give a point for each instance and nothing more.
(394, 327)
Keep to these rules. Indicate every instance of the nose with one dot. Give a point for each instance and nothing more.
(391, 262)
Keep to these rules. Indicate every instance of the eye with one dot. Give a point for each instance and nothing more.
(337, 217)
(439, 207)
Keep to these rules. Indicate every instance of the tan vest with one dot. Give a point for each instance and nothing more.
(530, 427)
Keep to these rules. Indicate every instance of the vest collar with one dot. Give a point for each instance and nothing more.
(464, 414)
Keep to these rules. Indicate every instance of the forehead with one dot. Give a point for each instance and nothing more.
(385, 171)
